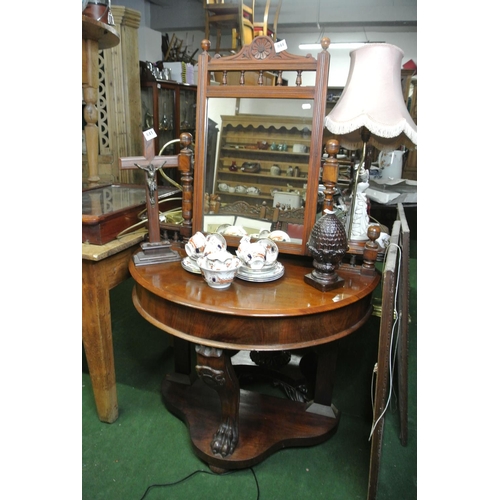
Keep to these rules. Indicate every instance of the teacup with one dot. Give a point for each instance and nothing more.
(215, 243)
(271, 250)
(232, 230)
(218, 261)
(253, 190)
(200, 245)
(196, 245)
(219, 270)
(278, 236)
(252, 255)
(231, 189)
(241, 189)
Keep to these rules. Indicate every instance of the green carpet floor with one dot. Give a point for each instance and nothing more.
(148, 446)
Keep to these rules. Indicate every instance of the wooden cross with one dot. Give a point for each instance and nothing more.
(150, 164)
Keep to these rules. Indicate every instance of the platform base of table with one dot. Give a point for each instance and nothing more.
(266, 423)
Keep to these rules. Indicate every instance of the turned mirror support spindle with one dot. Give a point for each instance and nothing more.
(186, 169)
(330, 172)
(370, 251)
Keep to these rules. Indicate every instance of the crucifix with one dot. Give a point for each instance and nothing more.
(156, 250)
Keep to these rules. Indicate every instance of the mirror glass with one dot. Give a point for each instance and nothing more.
(258, 167)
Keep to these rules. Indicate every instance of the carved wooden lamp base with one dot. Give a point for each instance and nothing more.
(327, 244)
(324, 282)
(328, 240)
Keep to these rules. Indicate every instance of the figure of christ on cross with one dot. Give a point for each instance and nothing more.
(156, 250)
(151, 179)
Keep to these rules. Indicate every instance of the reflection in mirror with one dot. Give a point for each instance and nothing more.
(258, 178)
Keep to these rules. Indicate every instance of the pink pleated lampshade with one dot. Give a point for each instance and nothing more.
(373, 98)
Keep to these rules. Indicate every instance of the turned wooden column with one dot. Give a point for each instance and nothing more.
(95, 36)
(330, 173)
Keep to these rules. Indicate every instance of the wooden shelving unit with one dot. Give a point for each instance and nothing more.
(239, 147)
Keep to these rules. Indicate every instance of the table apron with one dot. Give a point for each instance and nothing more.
(268, 333)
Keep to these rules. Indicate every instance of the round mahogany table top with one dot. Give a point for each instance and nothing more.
(283, 314)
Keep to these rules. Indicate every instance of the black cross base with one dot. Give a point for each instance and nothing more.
(156, 253)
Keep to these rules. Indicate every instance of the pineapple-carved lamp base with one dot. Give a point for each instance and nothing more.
(327, 245)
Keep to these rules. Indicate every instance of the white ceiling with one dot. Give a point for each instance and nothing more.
(299, 16)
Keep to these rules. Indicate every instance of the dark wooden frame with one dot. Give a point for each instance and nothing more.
(382, 386)
(260, 57)
(403, 308)
(395, 307)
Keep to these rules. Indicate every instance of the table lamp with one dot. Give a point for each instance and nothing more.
(371, 109)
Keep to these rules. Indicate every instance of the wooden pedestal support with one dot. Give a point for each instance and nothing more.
(286, 423)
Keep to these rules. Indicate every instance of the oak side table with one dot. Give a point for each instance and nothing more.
(103, 268)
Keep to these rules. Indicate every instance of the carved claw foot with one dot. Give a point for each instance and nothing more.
(215, 369)
(225, 439)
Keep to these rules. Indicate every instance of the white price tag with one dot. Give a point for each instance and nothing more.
(279, 46)
(149, 134)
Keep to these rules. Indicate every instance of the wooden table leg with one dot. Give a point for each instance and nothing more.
(323, 384)
(97, 340)
(215, 369)
(98, 278)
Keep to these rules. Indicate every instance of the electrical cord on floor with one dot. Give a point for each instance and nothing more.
(199, 472)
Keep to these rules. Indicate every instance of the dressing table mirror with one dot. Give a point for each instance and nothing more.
(269, 107)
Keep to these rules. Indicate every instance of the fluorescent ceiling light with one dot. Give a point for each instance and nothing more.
(334, 45)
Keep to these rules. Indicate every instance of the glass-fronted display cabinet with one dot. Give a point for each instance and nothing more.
(169, 108)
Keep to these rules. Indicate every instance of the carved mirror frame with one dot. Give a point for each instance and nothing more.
(261, 57)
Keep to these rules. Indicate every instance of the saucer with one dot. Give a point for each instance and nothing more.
(188, 264)
(263, 275)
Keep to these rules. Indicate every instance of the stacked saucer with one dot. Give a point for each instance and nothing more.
(259, 260)
(190, 265)
(268, 273)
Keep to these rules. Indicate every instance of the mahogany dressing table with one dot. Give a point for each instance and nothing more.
(233, 428)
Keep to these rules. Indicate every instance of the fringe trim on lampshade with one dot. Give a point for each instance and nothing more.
(383, 138)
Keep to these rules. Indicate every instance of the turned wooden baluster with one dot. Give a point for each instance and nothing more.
(371, 251)
(298, 80)
(186, 169)
(90, 113)
(330, 173)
